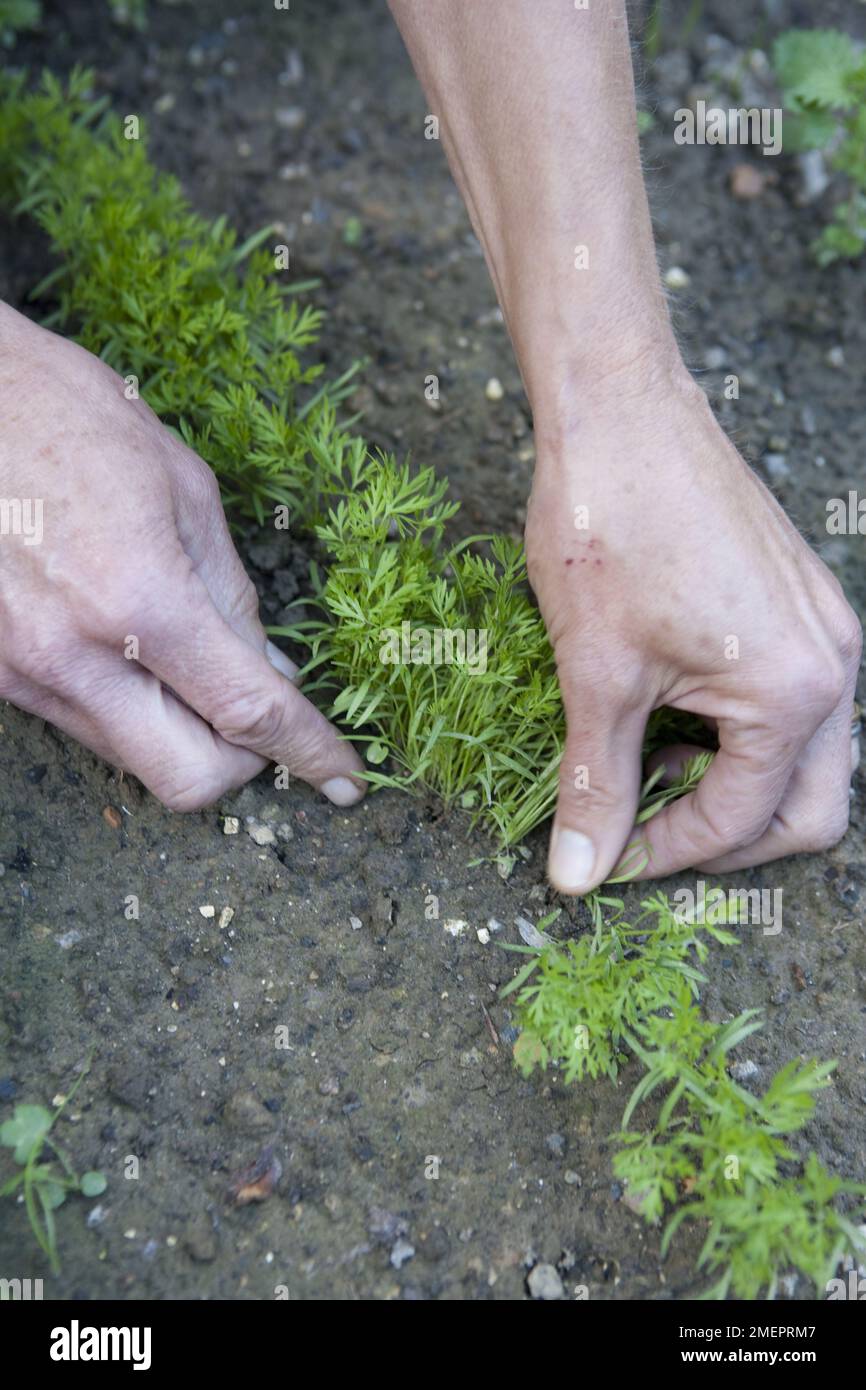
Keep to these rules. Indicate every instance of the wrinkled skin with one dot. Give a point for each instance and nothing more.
(135, 546)
(642, 612)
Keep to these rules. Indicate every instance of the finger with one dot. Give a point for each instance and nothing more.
(192, 649)
(731, 806)
(599, 782)
(814, 811)
(208, 543)
(124, 715)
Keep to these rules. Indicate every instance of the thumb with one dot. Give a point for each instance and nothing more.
(599, 784)
(244, 694)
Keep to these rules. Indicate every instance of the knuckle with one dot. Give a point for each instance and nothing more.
(717, 829)
(199, 482)
(815, 681)
(193, 792)
(605, 686)
(623, 686)
(255, 721)
(48, 660)
(819, 830)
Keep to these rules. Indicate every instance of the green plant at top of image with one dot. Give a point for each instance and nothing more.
(714, 1153)
(44, 1186)
(132, 13)
(822, 73)
(202, 323)
(16, 16)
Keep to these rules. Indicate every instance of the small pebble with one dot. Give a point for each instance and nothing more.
(493, 390)
(290, 117)
(401, 1252)
(207, 910)
(676, 278)
(814, 178)
(483, 935)
(231, 825)
(260, 834)
(355, 923)
(225, 917)
(545, 1283)
(455, 926)
(776, 465)
(836, 357)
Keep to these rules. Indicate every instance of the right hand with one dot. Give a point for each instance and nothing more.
(689, 587)
(134, 545)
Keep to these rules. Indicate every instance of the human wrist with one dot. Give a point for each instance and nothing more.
(639, 374)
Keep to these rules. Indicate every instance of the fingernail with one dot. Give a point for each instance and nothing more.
(341, 790)
(280, 661)
(572, 857)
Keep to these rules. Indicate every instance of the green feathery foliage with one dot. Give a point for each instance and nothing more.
(204, 327)
(203, 324)
(822, 73)
(713, 1151)
(484, 730)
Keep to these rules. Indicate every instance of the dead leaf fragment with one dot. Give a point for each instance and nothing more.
(256, 1182)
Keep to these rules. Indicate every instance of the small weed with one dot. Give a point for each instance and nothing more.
(822, 73)
(44, 1186)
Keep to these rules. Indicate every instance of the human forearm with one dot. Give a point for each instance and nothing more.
(536, 112)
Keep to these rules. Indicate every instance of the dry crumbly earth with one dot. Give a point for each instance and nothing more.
(399, 1050)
